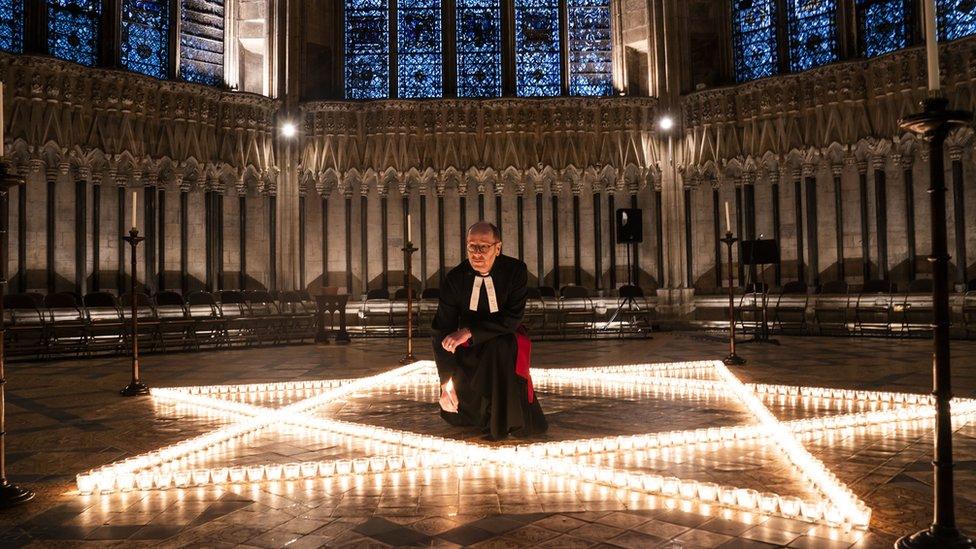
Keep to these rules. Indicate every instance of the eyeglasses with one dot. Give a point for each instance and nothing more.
(480, 248)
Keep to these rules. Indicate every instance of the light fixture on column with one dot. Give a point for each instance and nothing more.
(666, 123)
(288, 129)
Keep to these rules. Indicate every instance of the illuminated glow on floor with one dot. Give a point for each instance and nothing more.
(395, 451)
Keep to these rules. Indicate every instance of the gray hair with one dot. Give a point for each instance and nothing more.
(485, 227)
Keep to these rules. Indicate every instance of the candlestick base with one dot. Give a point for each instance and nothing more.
(408, 359)
(935, 538)
(733, 360)
(12, 495)
(136, 388)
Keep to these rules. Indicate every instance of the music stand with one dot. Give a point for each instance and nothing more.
(761, 253)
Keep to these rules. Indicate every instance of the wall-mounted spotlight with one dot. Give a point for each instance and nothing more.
(288, 129)
(666, 123)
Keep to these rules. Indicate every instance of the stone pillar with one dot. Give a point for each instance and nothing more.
(96, 240)
(862, 175)
(837, 171)
(906, 162)
(555, 190)
(520, 217)
(881, 213)
(798, 223)
(439, 191)
(382, 189)
(242, 234)
(576, 189)
(346, 190)
(813, 227)
(82, 177)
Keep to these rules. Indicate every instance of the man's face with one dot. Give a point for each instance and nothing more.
(482, 251)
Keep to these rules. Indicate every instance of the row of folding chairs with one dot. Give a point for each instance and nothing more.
(875, 308)
(570, 312)
(101, 323)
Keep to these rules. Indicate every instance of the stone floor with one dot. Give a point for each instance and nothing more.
(65, 417)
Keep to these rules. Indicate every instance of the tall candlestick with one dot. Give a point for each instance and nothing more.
(409, 230)
(133, 209)
(728, 218)
(931, 44)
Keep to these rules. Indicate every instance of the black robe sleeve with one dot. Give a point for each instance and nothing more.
(509, 314)
(448, 312)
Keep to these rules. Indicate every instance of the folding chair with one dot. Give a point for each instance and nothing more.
(106, 323)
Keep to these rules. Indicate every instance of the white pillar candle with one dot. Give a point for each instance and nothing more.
(409, 230)
(931, 44)
(728, 218)
(133, 209)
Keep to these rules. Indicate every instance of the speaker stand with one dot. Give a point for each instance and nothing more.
(762, 335)
(630, 302)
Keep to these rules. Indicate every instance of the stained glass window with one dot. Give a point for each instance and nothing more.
(813, 33)
(202, 41)
(957, 18)
(754, 39)
(419, 60)
(74, 27)
(590, 58)
(882, 26)
(479, 48)
(537, 63)
(12, 25)
(145, 36)
(367, 49)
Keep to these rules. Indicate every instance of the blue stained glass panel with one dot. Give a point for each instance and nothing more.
(367, 42)
(12, 25)
(202, 41)
(882, 25)
(957, 18)
(590, 55)
(754, 39)
(74, 29)
(419, 59)
(813, 33)
(145, 36)
(479, 48)
(537, 62)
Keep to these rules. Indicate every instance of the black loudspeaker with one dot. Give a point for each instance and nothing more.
(759, 252)
(630, 225)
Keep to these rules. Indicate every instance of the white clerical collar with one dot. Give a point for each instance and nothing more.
(480, 280)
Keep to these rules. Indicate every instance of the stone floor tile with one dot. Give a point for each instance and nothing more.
(742, 543)
(635, 540)
(466, 535)
(701, 538)
(622, 520)
(724, 526)
(532, 534)
(596, 531)
(111, 533)
(566, 542)
(501, 542)
(155, 532)
(808, 542)
(560, 523)
(661, 529)
(770, 535)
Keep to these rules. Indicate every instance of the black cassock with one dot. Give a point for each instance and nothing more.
(491, 394)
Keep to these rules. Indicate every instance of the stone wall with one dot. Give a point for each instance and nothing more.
(819, 142)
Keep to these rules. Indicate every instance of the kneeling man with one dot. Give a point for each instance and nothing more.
(479, 345)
